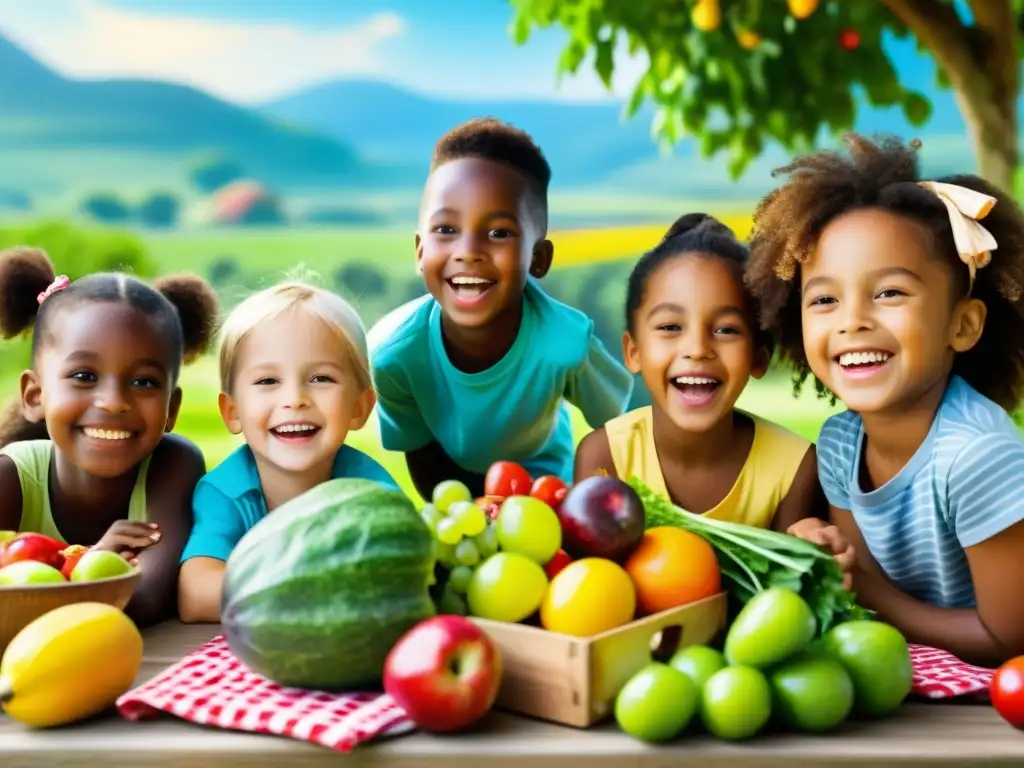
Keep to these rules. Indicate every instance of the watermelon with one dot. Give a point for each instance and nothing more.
(317, 592)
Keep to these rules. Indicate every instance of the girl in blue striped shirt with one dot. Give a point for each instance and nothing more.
(903, 298)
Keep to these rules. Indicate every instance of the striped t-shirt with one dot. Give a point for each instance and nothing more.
(964, 485)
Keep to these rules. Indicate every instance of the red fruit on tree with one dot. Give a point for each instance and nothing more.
(551, 490)
(849, 39)
(1007, 691)
(444, 672)
(506, 478)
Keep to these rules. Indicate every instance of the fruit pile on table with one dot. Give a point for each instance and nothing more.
(28, 559)
(575, 561)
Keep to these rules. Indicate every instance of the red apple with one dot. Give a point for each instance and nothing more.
(601, 517)
(551, 490)
(444, 672)
(33, 546)
(557, 563)
(506, 478)
(491, 505)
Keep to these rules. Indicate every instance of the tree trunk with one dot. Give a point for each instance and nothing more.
(983, 65)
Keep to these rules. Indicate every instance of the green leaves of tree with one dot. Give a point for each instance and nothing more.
(797, 83)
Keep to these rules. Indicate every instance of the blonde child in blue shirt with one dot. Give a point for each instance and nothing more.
(480, 370)
(905, 298)
(295, 380)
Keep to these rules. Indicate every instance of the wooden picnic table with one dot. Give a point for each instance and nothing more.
(923, 734)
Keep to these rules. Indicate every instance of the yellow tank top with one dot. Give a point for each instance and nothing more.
(763, 482)
(33, 458)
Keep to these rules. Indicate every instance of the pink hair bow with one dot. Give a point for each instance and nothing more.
(59, 284)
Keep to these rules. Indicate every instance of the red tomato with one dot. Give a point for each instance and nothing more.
(33, 546)
(557, 563)
(1007, 692)
(506, 478)
(551, 490)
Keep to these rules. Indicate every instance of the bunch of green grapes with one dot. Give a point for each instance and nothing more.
(465, 536)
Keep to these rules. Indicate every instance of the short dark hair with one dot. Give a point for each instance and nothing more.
(701, 235)
(488, 138)
(883, 174)
(184, 306)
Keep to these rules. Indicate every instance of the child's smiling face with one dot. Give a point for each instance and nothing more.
(882, 313)
(692, 341)
(103, 383)
(478, 239)
(294, 394)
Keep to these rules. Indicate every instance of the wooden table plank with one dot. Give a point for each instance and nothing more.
(922, 734)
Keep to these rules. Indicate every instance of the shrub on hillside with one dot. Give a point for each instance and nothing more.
(362, 280)
(106, 207)
(223, 271)
(159, 210)
(213, 172)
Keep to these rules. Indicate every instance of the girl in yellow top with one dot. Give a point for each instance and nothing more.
(692, 335)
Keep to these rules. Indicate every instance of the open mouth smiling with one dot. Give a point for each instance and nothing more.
(469, 286)
(696, 390)
(294, 431)
(863, 363)
(110, 435)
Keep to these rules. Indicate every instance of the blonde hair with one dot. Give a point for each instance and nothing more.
(272, 302)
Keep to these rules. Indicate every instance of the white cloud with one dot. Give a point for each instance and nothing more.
(241, 61)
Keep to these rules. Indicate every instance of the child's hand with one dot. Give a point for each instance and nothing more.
(127, 538)
(831, 538)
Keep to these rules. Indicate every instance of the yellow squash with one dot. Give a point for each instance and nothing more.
(69, 664)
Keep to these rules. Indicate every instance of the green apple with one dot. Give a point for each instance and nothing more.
(698, 662)
(811, 693)
(736, 703)
(775, 624)
(28, 572)
(506, 587)
(877, 659)
(657, 703)
(97, 564)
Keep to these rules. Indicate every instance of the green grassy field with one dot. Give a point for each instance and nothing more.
(200, 420)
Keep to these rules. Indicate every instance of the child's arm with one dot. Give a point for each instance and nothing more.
(218, 528)
(594, 456)
(10, 492)
(804, 498)
(174, 470)
(985, 494)
(601, 387)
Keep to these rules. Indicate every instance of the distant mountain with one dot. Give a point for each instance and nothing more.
(585, 143)
(41, 110)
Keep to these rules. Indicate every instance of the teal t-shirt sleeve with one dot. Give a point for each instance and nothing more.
(600, 387)
(217, 524)
(986, 488)
(402, 427)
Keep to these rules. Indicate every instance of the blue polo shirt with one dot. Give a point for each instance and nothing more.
(229, 501)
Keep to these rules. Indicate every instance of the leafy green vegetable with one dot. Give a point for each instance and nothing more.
(752, 559)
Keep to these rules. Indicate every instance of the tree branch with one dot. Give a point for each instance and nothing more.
(999, 49)
(938, 27)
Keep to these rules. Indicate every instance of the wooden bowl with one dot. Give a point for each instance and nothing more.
(20, 606)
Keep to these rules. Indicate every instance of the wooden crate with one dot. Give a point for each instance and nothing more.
(574, 680)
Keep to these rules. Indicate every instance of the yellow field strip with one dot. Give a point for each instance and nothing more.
(587, 246)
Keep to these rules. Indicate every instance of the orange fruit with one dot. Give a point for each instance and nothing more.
(749, 39)
(672, 567)
(588, 597)
(801, 9)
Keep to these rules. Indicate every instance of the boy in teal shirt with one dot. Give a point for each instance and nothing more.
(479, 370)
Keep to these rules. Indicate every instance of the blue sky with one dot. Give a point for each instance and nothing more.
(255, 50)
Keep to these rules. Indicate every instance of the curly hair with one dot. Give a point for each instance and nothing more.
(698, 234)
(884, 174)
(184, 306)
(488, 138)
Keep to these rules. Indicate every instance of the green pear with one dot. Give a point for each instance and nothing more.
(28, 572)
(775, 624)
(97, 564)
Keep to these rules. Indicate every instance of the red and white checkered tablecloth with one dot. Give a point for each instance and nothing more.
(941, 675)
(212, 687)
